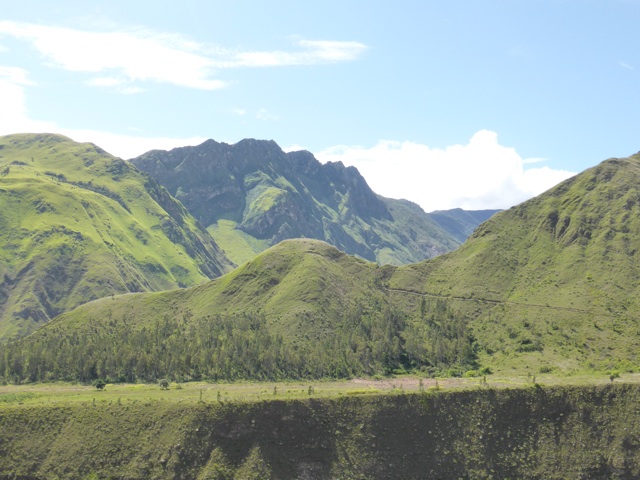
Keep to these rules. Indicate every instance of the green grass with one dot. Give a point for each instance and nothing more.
(77, 224)
(553, 282)
(238, 246)
(548, 286)
(533, 431)
(61, 393)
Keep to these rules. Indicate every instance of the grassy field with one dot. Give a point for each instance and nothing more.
(203, 392)
(574, 427)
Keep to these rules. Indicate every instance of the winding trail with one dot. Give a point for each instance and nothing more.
(497, 302)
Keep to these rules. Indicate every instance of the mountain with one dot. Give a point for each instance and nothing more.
(461, 223)
(554, 282)
(251, 195)
(78, 224)
(301, 309)
(549, 285)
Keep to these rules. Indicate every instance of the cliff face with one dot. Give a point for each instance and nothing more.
(256, 189)
(565, 432)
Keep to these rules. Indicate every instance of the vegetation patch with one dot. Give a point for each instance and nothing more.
(529, 433)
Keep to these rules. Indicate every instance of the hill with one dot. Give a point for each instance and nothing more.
(461, 223)
(78, 224)
(301, 309)
(553, 282)
(251, 195)
(548, 285)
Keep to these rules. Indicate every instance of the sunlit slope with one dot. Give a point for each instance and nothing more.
(78, 224)
(288, 283)
(301, 309)
(549, 285)
(554, 280)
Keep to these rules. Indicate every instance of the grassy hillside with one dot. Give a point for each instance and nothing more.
(301, 309)
(252, 195)
(77, 224)
(528, 433)
(553, 282)
(548, 286)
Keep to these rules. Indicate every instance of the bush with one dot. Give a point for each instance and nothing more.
(486, 371)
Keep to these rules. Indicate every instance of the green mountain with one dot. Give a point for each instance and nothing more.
(78, 224)
(552, 283)
(252, 195)
(461, 223)
(301, 309)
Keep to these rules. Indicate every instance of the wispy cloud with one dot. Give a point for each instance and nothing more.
(265, 115)
(13, 111)
(313, 52)
(142, 55)
(625, 65)
(14, 118)
(15, 75)
(481, 174)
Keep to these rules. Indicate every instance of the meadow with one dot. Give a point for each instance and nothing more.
(61, 393)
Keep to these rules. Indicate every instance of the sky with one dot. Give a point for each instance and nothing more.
(460, 104)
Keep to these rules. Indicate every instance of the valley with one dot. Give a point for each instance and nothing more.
(286, 307)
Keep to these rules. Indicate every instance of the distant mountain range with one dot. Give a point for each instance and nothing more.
(252, 195)
(549, 285)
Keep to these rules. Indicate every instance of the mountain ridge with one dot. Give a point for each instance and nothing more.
(77, 224)
(251, 195)
(549, 285)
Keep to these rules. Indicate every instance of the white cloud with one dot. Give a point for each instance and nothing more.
(127, 146)
(13, 113)
(142, 55)
(625, 65)
(314, 52)
(137, 56)
(332, 51)
(14, 118)
(263, 114)
(293, 148)
(481, 174)
(15, 75)
(106, 82)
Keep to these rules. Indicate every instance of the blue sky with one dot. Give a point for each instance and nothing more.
(466, 103)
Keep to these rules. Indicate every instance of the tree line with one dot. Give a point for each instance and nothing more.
(367, 340)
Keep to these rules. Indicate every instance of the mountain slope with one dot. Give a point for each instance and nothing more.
(554, 280)
(252, 195)
(301, 309)
(461, 223)
(78, 224)
(551, 284)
